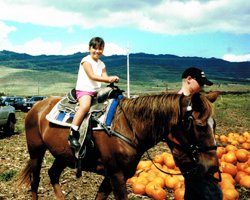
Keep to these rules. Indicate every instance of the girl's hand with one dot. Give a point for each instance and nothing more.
(113, 79)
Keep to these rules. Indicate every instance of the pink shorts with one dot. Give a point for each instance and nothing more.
(80, 93)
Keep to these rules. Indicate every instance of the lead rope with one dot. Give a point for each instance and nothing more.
(185, 173)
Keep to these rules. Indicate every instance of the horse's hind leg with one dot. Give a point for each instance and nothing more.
(104, 189)
(54, 174)
(35, 164)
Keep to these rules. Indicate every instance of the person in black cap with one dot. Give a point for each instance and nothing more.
(193, 80)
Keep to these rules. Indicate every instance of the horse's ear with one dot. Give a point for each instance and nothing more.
(212, 96)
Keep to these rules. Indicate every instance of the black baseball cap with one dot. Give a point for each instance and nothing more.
(198, 75)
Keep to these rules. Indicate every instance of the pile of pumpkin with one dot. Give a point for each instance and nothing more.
(234, 159)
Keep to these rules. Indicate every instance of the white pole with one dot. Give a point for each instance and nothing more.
(128, 85)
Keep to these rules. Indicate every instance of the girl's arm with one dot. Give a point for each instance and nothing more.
(103, 78)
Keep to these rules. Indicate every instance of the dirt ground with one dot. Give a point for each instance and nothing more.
(13, 159)
(14, 156)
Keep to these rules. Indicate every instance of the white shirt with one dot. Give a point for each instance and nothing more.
(83, 82)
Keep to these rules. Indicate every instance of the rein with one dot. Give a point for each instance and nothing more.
(212, 169)
(111, 132)
(186, 124)
(192, 150)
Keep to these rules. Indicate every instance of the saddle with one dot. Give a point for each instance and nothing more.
(99, 117)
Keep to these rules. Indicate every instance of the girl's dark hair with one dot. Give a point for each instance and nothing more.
(96, 42)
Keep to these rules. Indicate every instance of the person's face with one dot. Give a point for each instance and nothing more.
(96, 52)
(194, 85)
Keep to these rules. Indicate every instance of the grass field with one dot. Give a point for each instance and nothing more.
(24, 82)
(232, 111)
(232, 114)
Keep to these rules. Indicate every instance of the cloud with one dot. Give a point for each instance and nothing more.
(165, 17)
(113, 49)
(5, 30)
(236, 58)
(175, 17)
(38, 46)
(35, 13)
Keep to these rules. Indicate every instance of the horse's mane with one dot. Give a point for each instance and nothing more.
(161, 110)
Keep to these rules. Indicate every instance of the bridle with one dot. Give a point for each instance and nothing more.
(191, 148)
(190, 145)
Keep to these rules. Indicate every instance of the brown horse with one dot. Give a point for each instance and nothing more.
(144, 121)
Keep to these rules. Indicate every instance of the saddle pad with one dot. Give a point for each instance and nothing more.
(65, 118)
(57, 116)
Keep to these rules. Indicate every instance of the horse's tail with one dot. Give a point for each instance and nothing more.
(25, 175)
(35, 146)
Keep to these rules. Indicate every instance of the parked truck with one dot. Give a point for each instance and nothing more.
(7, 119)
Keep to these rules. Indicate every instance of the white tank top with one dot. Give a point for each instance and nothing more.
(83, 82)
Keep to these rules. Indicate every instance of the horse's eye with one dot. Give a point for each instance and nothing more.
(199, 123)
(201, 128)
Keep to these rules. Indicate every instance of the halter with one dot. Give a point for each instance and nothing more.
(190, 148)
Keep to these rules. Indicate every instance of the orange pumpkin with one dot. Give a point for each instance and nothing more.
(229, 168)
(149, 188)
(246, 134)
(159, 159)
(159, 193)
(162, 174)
(156, 167)
(241, 139)
(142, 179)
(172, 181)
(245, 145)
(230, 157)
(179, 193)
(169, 161)
(230, 194)
(220, 151)
(247, 170)
(138, 188)
(155, 191)
(235, 142)
(230, 147)
(241, 166)
(132, 180)
(160, 181)
(245, 181)
(242, 155)
(226, 185)
(144, 164)
(239, 175)
(227, 177)
(223, 138)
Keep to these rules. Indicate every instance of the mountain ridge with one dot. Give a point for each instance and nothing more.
(143, 66)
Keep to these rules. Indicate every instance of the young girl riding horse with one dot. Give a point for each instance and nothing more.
(91, 73)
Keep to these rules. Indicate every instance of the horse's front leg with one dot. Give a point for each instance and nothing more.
(118, 183)
(54, 174)
(104, 189)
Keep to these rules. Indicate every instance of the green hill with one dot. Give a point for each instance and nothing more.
(147, 71)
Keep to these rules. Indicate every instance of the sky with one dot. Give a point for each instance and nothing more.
(204, 28)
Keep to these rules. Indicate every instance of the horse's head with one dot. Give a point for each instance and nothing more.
(192, 139)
